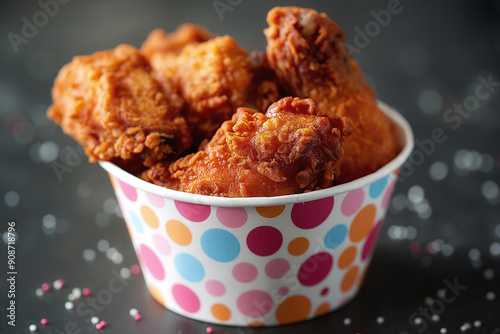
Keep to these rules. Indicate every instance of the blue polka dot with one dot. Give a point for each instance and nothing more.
(378, 187)
(189, 267)
(136, 222)
(220, 245)
(335, 236)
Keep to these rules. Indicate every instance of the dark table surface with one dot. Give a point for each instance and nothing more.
(443, 227)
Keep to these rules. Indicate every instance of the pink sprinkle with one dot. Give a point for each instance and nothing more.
(86, 292)
(103, 324)
(209, 330)
(44, 321)
(98, 326)
(135, 269)
(46, 287)
(415, 247)
(138, 317)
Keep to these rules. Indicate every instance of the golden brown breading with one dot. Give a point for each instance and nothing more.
(113, 107)
(213, 78)
(308, 53)
(285, 151)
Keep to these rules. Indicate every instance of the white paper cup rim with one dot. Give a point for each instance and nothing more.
(405, 136)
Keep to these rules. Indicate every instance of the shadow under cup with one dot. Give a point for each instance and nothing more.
(258, 261)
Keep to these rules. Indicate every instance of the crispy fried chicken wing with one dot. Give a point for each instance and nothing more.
(308, 53)
(287, 150)
(113, 107)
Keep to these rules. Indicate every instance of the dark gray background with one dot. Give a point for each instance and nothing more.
(428, 58)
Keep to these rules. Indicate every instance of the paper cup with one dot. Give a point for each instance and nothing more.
(257, 261)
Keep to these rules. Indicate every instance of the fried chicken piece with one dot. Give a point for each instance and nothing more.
(113, 107)
(308, 53)
(213, 78)
(264, 89)
(285, 151)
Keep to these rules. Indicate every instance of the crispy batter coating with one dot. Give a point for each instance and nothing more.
(113, 107)
(213, 78)
(308, 53)
(285, 151)
(264, 89)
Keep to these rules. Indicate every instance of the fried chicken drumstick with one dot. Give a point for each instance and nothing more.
(287, 150)
(308, 53)
(110, 103)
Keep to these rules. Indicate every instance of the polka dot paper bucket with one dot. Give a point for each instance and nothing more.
(257, 261)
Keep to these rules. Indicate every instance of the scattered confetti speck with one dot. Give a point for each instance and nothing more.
(135, 269)
(89, 254)
(495, 248)
(46, 287)
(94, 320)
(474, 254)
(138, 317)
(86, 292)
(380, 320)
(443, 330)
(68, 305)
(102, 245)
(490, 295)
(435, 317)
(347, 321)
(32, 328)
(58, 284)
(133, 311)
(44, 322)
(209, 330)
(417, 321)
(465, 327)
(11, 198)
(477, 323)
(125, 272)
(489, 273)
(77, 293)
(39, 292)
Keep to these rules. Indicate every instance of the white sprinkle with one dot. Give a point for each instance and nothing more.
(77, 292)
(438, 171)
(495, 248)
(411, 233)
(39, 292)
(117, 258)
(441, 293)
(11, 198)
(477, 323)
(435, 317)
(125, 272)
(443, 330)
(109, 205)
(49, 221)
(416, 194)
(490, 295)
(88, 254)
(490, 190)
(48, 151)
(398, 202)
(110, 252)
(134, 311)
(447, 250)
(347, 321)
(58, 284)
(32, 328)
(474, 254)
(380, 320)
(71, 297)
(489, 273)
(102, 245)
(466, 326)
(429, 301)
(417, 320)
(68, 305)
(94, 320)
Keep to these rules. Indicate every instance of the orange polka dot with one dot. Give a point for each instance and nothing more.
(322, 309)
(362, 223)
(298, 246)
(396, 172)
(221, 312)
(293, 309)
(156, 295)
(347, 257)
(149, 217)
(349, 279)
(270, 211)
(256, 324)
(178, 232)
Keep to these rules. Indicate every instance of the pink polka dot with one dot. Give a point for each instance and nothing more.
(215, 288)
(264, 240)
(315, 269)
(371, 241)
(283, 291)
(155, 200)
(152, 262)
(324, 291)
(245, 272)
(232, 217)
(311, 214)
(255, 303)
(193, 212)
(161, 244)
(352, 202)
(128, 190)
(277, 268)
(186, 298)
(387, 195)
